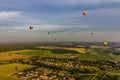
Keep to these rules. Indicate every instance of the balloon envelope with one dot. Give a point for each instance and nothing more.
(48, 32)
(84, 13)
(105, 43)
(30, 27)
(91, 33)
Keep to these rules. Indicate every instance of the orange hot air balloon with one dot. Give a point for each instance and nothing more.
(105, 43)
(30, 27)
(84, 13)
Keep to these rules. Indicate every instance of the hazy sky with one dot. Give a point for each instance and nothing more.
(62, 18)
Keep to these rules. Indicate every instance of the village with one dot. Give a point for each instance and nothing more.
(47, 68)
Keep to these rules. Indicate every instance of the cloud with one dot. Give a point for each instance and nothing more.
(52, 15)
(53, 5)
(96, 20)
(74, 2)
(16, 18)
(9, 15)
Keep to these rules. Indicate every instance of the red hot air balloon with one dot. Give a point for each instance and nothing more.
(30, 27)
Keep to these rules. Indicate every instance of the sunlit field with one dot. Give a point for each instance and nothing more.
(7, 70)
(9, 55)
(80, 50)
(91, 63)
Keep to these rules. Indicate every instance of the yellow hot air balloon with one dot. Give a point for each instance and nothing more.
(105, 43)
(84, 13)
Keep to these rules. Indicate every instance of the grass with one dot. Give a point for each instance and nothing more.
(112, 73)
(44, 53)
(91, 53)
(8, 78)
(37, 52)
(12, 55)
(83, 77)
(8, 69)
(112, 76)
(80, 50)
(98, 54)
(95, 56)
(93, 46)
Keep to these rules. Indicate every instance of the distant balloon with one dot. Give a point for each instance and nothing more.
(65, 30)
(84, 13)
(91, 33)
(30, 27)
(48, 32)
(105, 43)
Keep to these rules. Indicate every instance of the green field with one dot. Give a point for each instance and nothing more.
(92, 53)
(95, 57)
(44, 53)
(80, 50)
(8, 69)
(9, 55)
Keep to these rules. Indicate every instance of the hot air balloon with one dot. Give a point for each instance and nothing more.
(91, 33)
(48, 32)
(65, 30)
(30, 27)
(84, 13)
(55, 39)
(105, 43)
